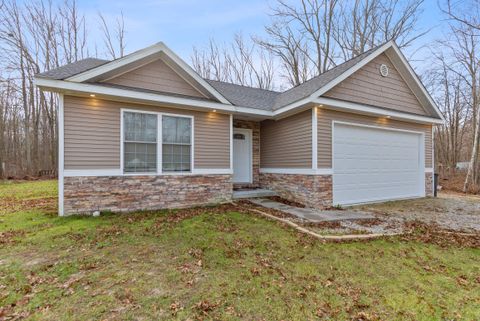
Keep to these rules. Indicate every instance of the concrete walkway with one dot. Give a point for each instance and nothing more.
(310, 214)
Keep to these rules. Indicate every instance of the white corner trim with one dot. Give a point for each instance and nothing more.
(231, 143)
(314, 138)
(61, 155)
(297, 171)
(140, 96)
(428, 170)
(381, 112)
(117, 172)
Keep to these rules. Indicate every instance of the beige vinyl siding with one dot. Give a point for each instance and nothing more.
(287, 143)
(324, 129)
(92, 134)
(158, 76)
(367, 86)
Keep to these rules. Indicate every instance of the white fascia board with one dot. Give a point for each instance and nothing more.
(348, 106)
(417, 81)
(352, 70)
(61, 85)
(143, 53)
(285, 109)
(187, 103)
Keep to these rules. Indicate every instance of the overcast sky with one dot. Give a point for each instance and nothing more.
(182, 24)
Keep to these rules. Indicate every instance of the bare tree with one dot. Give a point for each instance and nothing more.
(465, 29)
(365, 24)
(114, 40)
(34, 36)
(311, 36)
(449, 91)
(241, 62)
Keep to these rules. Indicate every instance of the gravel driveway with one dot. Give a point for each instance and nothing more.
(449, 210)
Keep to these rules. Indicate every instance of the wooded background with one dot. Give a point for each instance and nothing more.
(303, 39)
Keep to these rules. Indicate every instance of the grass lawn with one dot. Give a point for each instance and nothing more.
(216, 263)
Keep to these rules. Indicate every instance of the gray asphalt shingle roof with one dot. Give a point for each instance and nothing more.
(72, 69)
(246, 96)
(237, 94)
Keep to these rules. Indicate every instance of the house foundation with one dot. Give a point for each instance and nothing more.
(311, 190)
(87, 194)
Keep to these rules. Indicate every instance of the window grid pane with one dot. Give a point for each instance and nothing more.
(140, 142)
(176, 147)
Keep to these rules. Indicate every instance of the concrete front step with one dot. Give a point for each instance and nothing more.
(314, 215)
(253, 193)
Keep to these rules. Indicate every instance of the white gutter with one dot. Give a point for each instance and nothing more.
(61, 85)
(187, 103)
(376, 111)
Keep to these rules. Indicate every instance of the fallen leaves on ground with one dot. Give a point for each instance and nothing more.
(433, 234)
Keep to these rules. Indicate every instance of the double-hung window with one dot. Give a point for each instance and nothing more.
(176, 144)
(142, 143)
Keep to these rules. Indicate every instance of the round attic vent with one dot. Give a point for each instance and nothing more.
(384, 70)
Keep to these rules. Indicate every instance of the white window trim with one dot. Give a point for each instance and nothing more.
(159, 170)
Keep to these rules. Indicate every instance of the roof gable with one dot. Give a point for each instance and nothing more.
(367, 86)
(144, 56)
(156, 76)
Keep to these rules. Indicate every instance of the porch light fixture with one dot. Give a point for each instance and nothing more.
(92, 95)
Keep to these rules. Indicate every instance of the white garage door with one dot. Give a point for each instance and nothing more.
(372, 164)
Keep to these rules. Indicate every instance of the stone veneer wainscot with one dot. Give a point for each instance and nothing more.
(311, 190)
(131, 193)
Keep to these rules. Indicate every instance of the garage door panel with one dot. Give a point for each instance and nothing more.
(373, 164)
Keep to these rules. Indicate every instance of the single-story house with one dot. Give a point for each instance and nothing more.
(147, 132)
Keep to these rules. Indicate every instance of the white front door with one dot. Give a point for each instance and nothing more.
(373, 164)
(242, 155)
